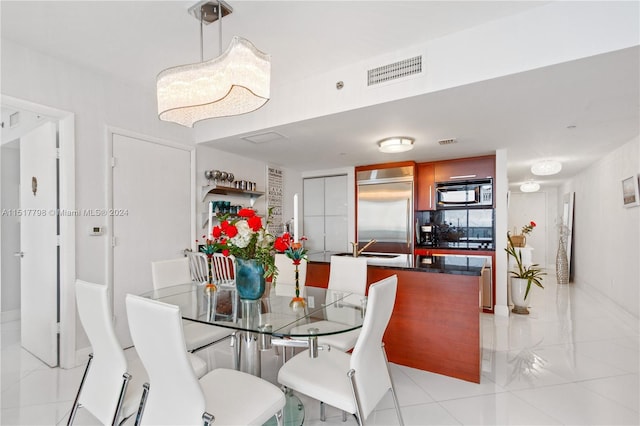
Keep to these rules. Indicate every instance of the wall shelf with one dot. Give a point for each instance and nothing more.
(226, 190)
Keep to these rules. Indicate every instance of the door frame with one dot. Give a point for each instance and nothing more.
(67, 197)
(110, 132)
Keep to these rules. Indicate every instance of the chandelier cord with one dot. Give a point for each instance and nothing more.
(202, 13)
(219, 29)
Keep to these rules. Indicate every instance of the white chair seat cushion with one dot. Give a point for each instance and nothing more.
(316, 375)
(222, 388)
(197, 335)
(342, 341)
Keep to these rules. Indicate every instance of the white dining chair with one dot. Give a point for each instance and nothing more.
(174, 395)
(111, 386)
(224, 273)
(354, 383)
(171, 272)
(198, 266)
(349, 275)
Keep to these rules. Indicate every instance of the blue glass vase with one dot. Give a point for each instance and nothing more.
(250, 281)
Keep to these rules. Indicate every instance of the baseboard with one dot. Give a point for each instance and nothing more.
(82, 355)
(501, 310)
(7, 316)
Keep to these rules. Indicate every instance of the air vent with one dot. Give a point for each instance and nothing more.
(264, 137)
(447, 141)
(394, 71)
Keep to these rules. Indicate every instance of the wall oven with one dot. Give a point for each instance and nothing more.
(476, 193)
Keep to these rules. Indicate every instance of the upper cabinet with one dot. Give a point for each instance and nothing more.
(427, 174)
(465, 168)
(425, 191)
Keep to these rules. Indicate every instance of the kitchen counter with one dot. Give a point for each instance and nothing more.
(435, 324)
(440, 264)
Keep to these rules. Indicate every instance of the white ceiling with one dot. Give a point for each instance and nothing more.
(527, 113)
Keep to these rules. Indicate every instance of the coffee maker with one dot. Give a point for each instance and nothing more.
(427, 235)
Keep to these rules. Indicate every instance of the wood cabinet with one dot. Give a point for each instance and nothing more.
(465, 168)
(425, 187)
(435, 324)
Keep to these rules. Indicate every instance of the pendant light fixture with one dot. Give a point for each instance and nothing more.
(236, 82)
(396, 144)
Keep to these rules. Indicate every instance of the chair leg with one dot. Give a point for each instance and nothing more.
(393, 389)
(143, 402)
(125, 382)
(354, 390)
(74, 410)
(279, 418)
(323, 416)
(207, 419)
(235, 343)
(234, 304)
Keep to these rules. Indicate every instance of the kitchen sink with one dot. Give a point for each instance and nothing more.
(373, 255)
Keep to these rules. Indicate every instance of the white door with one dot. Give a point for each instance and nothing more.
(152, 214)
(38, 243)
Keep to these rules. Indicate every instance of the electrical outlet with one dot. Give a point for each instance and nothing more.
(311, 302)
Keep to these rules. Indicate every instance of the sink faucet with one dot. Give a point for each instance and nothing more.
(357, 252)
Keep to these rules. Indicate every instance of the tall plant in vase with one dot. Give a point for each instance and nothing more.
(521, 279)
(295, 251)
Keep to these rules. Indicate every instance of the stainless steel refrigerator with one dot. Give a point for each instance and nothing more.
(385, 209)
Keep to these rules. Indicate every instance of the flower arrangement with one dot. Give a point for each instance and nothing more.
(526, 230)
(533, 274)
(245, 237)
(297, 253)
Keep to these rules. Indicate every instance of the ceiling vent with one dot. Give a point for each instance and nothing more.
(447, 141)
(264, 137)
(394, 71)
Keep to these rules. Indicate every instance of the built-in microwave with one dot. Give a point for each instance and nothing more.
(476, 193)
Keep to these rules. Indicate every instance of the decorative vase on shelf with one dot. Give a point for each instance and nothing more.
(250, 281)
(562, 263)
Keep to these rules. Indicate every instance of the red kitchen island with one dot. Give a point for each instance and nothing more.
(435, 325)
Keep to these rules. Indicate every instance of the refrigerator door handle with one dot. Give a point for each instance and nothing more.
(409, 220)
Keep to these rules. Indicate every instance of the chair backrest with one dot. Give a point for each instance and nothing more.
(175, 396)
(367, 359)
(198, 266)
(224, 268)
(103, 383)
(165, 273)
(286, 279)
(348, 273)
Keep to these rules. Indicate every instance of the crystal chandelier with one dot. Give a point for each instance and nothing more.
(236, 82)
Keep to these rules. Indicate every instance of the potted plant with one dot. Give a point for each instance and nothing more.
(521, 279)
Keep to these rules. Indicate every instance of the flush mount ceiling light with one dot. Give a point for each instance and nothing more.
(530, 186)
(236, 82)
(396, 144)
(546, 168)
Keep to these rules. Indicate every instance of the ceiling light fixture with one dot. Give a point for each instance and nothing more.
(546, 168)
(396, 144)
(236, 82)
(530, 186)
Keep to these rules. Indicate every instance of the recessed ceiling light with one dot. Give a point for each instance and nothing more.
(546, 168)
(530, 186)
(396, 144)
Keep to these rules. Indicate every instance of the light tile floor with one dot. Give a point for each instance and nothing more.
(573, 360)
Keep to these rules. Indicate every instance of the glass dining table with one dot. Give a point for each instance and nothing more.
(271, 317)
(272, 320)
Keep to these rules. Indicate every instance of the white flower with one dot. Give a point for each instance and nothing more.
(243, 238)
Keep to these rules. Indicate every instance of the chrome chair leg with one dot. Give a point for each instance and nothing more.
(354, 390)
(74, 410)
(143, 402)
(323, 416)
(207, 419)
(125, 382)
(393, 389)
(279, 418)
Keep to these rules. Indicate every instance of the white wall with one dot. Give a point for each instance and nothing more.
(606, 235)
(208, 158)
(98, 101)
